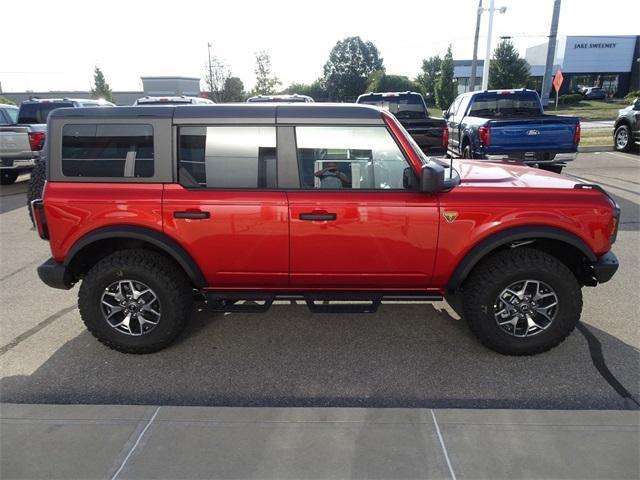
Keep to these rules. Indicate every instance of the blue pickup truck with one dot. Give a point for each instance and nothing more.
(510, 124)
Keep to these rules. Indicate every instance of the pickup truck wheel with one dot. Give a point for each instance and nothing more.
(466, 152)
(135, 301)
(522, 302)
(7, 178)
(621, 139)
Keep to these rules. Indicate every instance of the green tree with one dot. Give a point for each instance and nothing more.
(266, 81)
(446, 89)
(350, 64)
(6, 101)
(507, 69)
(216, 76)
(315, 90)
(381, 82)
(429, 76)
(233, 90)
(100, 87)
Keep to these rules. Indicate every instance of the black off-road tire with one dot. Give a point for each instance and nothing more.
(494, 274)
(622, 132)
(158, 272)
(7, 177)
(36, 184)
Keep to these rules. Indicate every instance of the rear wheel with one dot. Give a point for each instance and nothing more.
(467, 152)
(522, 302)
(622, 139)
(7, 178)
(135, 301)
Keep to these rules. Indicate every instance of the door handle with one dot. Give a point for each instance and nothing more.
(318, 216)
(193, 215)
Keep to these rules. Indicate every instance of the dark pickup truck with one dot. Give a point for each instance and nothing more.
(511, 124)
(409, 108)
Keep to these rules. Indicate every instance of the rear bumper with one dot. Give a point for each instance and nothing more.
(17, 163)
(605, 267)
(55, 275)
(531, 160)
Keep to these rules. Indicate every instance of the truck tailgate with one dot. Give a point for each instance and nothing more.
(533, 134)
(14, 142)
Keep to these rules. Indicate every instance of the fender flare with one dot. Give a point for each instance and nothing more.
(154, 237)
(499, 239)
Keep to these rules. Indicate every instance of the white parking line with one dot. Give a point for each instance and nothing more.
(622, 155)
(444, 448)
(144, 430)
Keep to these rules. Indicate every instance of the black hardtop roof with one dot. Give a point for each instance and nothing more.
(237, 113)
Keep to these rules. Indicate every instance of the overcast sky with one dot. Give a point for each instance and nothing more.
(55, 44)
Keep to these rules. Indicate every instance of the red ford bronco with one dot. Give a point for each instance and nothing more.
(331, 204)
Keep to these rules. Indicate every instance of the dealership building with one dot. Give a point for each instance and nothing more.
(610, 62)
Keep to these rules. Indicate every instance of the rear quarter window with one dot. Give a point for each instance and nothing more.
(108, 150)
(38, 112)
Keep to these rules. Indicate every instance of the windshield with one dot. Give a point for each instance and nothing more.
(505, 105)
(38, 112)
(402, 106)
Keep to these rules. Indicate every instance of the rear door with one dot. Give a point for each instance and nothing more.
(226, 211)
(353, 224)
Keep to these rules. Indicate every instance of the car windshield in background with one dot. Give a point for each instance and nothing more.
(38, 112)
(402, 106)
(505, 105)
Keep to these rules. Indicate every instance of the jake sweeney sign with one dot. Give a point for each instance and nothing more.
(597, 54)
(594, 45)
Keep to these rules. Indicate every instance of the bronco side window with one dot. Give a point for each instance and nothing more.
(227, 157)
(349, 157)
(107, 150)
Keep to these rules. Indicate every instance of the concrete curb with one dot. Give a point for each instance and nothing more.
(597, 148)
(120, 441)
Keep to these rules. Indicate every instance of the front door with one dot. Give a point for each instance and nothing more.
(353, 224)
(225, 211)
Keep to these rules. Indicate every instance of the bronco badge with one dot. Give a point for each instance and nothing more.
(450, 216)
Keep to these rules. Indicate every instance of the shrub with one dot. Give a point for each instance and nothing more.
(572, 99)
(6, 101)
(631, 96)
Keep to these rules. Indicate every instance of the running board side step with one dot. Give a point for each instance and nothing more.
(320, 302)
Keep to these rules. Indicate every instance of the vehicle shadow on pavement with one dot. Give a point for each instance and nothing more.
(409, 355)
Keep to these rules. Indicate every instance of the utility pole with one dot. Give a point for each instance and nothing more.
(210, 73)
(487, 57)
(474, 62)
(551, 53)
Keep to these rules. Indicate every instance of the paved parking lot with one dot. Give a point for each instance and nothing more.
(403, 356)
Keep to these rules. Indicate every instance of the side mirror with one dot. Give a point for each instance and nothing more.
(433, 179)
(445, 114)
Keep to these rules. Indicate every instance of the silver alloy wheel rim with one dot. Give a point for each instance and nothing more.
(622, 138)
(130, 307)
(526, 308)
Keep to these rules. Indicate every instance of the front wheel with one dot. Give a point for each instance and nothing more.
(622, 139)
(135, 301)
(522, 301)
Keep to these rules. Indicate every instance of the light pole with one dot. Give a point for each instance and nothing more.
(474, 62)
(487, 56)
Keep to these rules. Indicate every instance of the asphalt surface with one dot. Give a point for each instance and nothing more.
(402, 356)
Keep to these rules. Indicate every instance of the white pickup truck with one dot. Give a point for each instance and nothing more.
(21, 143)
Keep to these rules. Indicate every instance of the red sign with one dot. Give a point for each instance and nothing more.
(557, 80)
